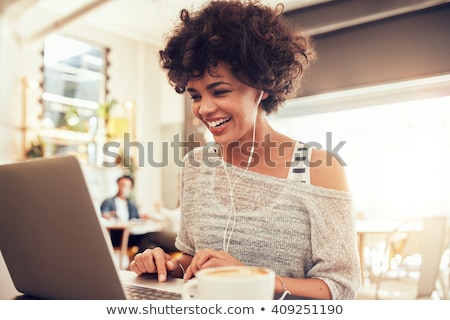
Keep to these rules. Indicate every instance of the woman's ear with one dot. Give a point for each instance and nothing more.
(264, 96)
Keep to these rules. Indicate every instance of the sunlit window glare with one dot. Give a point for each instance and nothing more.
(397, 155)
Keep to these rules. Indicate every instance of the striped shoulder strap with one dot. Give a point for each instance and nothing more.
(300, 168)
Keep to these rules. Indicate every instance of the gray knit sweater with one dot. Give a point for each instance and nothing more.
(298, 230)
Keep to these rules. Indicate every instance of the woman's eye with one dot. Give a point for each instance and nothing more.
(221, 92)
(195, 97)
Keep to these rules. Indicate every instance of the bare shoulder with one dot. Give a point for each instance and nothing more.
(327, 170)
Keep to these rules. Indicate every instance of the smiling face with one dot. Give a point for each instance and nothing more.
(225, 105)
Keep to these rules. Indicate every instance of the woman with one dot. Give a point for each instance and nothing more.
(261, 198)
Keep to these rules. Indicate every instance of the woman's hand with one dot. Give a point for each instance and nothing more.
(153, 261)
(208, 258)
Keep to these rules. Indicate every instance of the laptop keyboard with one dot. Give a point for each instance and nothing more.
(143, 293)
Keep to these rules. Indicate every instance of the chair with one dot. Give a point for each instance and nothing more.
(412, 262)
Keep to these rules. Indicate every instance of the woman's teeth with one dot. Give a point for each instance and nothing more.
(214, 124)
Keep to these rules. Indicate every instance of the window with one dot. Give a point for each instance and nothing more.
(74, 85)
(396, 153)
(74, 82)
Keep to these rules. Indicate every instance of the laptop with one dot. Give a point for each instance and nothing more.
(53, 242)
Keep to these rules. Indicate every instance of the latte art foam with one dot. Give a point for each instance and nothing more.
(235, 273)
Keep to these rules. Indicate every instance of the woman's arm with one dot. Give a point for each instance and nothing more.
(327, 170)
(182, 263)
(207, 258)
(308, 288)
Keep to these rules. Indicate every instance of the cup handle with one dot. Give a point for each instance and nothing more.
(190, 290)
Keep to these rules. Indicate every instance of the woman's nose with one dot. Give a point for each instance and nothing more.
(207, 106)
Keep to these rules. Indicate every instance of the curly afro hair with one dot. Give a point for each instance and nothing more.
(262, 48)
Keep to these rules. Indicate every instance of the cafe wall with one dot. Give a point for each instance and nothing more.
(134, 75)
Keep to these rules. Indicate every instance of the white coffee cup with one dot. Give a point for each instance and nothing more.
(231, 283)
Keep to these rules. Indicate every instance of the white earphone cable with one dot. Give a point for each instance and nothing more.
(226, 243)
